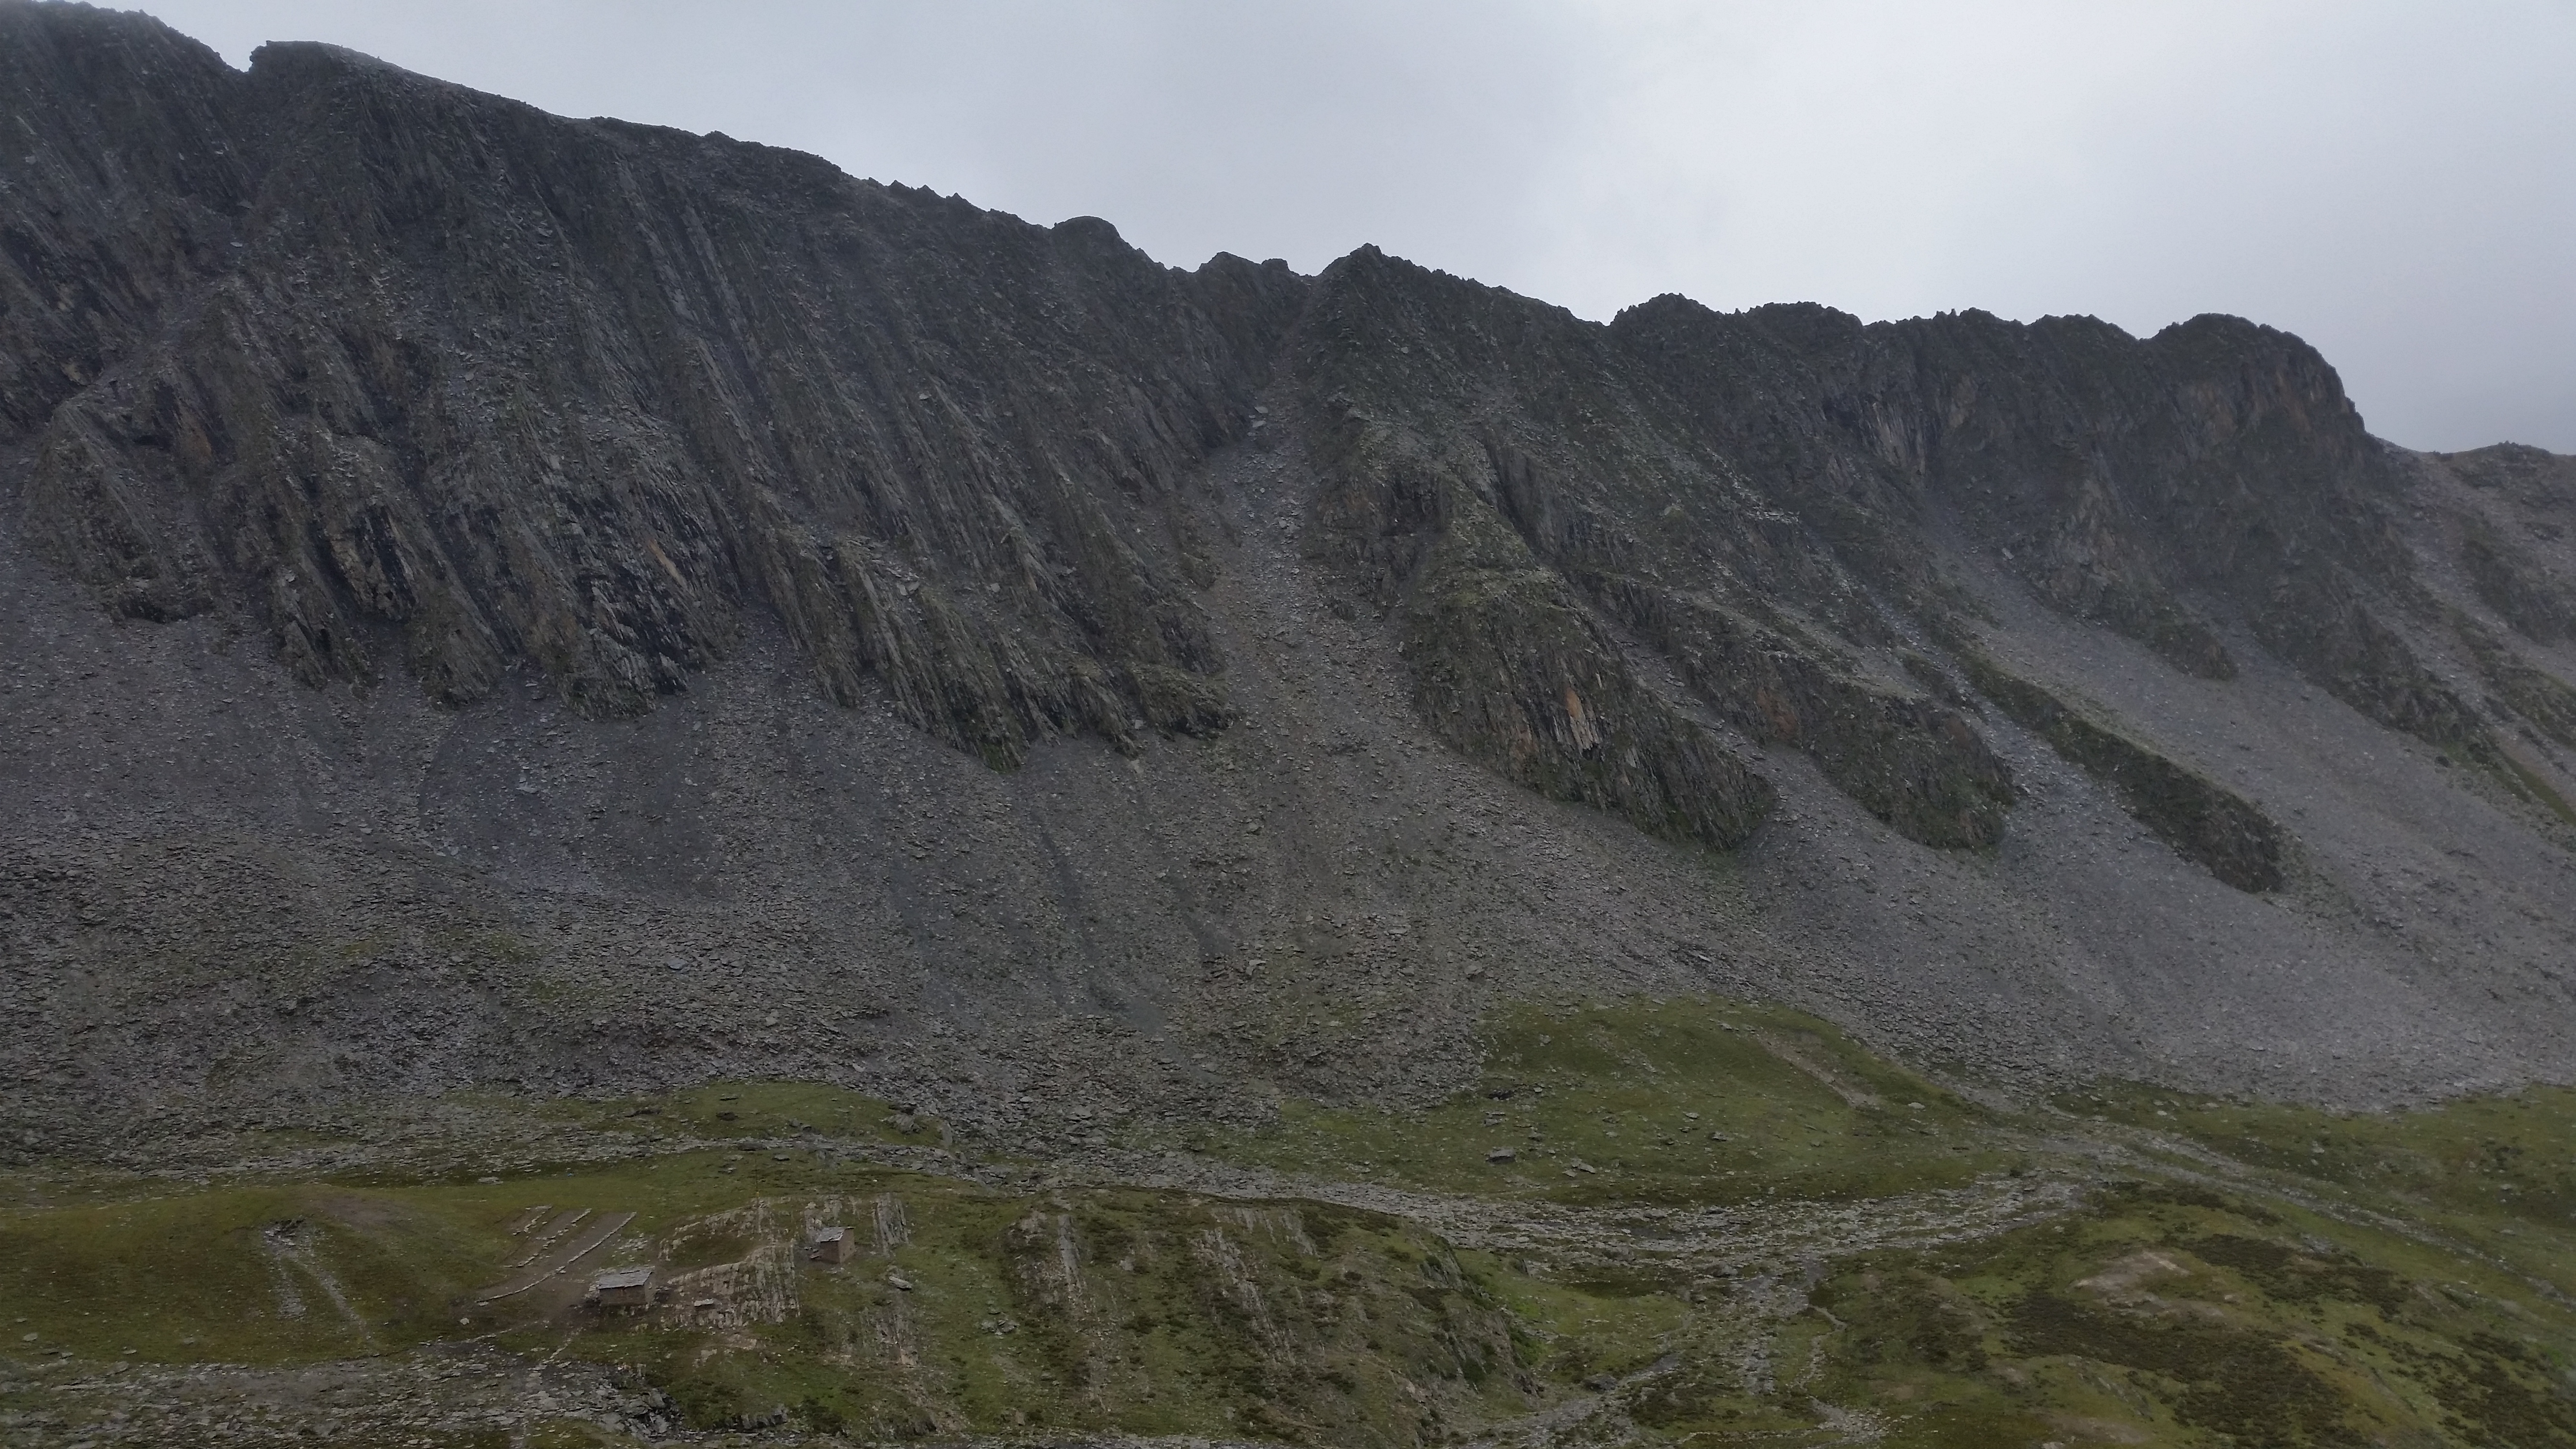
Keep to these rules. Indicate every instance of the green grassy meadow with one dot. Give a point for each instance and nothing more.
(1718, 1223)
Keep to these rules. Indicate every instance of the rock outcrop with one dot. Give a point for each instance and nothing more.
(436, 383)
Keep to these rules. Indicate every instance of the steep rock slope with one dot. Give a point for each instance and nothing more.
(495, 597)
(437, 382)
(2115, 477)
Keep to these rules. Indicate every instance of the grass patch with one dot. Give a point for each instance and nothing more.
(2495, 1175)
(1108, 1310)
(2247, 1274)
(2155, 1316)
(1694, 1101)
(766, 1111)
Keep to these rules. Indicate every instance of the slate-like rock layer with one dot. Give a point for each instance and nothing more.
(439, 382)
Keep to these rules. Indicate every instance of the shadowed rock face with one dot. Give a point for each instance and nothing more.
(460, 414)
(438, 383)
(2112, 476)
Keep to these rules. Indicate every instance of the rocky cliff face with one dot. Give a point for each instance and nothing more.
(1767, 499)
(434, 384)
(708, 584)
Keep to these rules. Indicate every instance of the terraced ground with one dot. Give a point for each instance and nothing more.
(1717, 1223)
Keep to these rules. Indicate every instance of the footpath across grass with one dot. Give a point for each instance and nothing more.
(2196, 1271)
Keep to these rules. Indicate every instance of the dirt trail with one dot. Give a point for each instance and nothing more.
(599, 1231)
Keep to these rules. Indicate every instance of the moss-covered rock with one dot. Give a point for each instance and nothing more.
(2539, 696)
(2203, 821)
(1510, 669)
(1910, 760)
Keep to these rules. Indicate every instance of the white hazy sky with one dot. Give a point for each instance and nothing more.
(2394, 182)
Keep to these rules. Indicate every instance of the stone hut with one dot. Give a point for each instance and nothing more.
(624, 1288)
(831, 1245)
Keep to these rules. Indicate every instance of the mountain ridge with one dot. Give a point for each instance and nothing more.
(429, 391)
(1048, 848)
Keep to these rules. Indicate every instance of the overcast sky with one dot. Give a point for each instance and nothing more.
(2395, 182)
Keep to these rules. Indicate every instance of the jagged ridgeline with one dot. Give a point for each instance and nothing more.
(431, 380)
(428, 382)
(2087, 793)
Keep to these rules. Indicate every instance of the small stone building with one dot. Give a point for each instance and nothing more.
(624, 1288)
(831, 1245)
